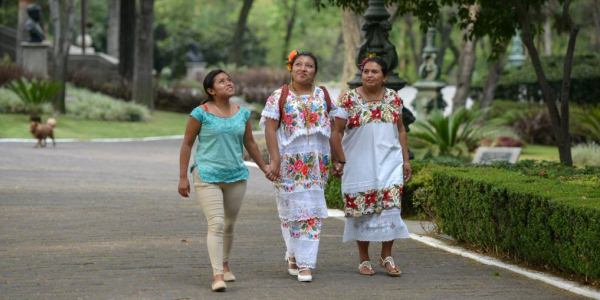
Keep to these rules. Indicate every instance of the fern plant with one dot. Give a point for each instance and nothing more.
(454, 135)
(34, 93)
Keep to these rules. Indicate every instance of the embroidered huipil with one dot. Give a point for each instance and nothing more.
(303, 138)
(373, 177)
(373, 174)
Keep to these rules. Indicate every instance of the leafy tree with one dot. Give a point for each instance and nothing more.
(499, 20)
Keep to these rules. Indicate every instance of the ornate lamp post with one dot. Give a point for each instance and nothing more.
(376, 28)
(429, 86)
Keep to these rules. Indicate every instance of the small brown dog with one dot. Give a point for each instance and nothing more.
(42, 131)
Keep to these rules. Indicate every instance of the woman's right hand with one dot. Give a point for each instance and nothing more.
(275, 164)
(184, 187)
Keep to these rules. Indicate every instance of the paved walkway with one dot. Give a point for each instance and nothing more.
(104, 221)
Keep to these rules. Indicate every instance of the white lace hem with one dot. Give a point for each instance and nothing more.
(383, 227)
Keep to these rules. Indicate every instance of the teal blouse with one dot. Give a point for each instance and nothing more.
(219, 153)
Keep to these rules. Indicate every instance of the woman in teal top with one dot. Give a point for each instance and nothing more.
(219, 173)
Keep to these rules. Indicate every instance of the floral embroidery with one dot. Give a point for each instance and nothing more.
(307, 229)
(304, 170)
(372, 201)
(386, 111)
(303, 112)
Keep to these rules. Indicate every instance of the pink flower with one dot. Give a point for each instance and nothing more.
(288, 119)
(298, 165)
(396, 116)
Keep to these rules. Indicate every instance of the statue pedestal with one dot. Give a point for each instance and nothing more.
(195, 70)
(35, 58)
(429, 96)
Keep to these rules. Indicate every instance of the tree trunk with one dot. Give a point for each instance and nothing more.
(290, 21)
(547, 11)
(22, 34)
(491, 82)
(143, 88)
(126, 39)
(466, 66)
(112, 34)
(560, 126)
(235, 56)
(351, 35)
(62, 15)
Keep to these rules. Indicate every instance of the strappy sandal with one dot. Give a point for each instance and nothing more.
(365, 268)
(292, 266)
(304, 278)
(395, 272)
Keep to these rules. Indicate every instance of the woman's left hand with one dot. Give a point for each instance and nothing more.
(407, 170)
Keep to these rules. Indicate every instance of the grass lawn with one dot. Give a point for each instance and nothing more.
(539, 152)
(161, 124)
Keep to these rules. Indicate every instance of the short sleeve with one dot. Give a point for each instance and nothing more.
(246, 114)
(338, 109)
(397, 102)
(271, 109)
(198, 114)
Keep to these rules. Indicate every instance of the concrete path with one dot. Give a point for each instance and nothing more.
(104, 221)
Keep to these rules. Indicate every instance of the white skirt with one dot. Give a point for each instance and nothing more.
(383, 227)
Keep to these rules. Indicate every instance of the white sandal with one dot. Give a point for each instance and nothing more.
(366, 264)
(291, 271)
(304, 278)
(390, 260)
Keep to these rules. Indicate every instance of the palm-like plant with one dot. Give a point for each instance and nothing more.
(454, 135)
(586, 122)
(34, 92)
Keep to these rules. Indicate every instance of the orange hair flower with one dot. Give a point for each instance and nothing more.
(290, 58)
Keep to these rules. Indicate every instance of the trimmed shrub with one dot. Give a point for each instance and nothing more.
(545, 222)
(84, 104)
(10, 72)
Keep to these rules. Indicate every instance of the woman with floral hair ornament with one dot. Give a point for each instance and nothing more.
(297, 130)
(370, 151)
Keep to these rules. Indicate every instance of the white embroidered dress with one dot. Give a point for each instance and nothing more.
(303, 138)
(373, 174)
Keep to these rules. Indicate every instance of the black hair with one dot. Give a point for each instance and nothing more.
(209, 81)
(309, 54)
(377, 60)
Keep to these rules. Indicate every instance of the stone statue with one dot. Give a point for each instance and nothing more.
(193, 54)
(429, 69)
(33, 24)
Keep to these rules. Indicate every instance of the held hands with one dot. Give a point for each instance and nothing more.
(407, 170)
(184, 187)
(338, 169)
(271, 172)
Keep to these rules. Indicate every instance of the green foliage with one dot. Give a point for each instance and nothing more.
(333, 193)
(586, 122)
(33, 93)
(546, 222)
(454, 135)
(88, 105)
(522, 83)
(586, 154)
(11, 103)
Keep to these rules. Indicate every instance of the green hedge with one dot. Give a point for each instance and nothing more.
(546, 222)
(522, 83)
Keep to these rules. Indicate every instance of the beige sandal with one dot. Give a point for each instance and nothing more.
(395, 272)
(365, 268)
